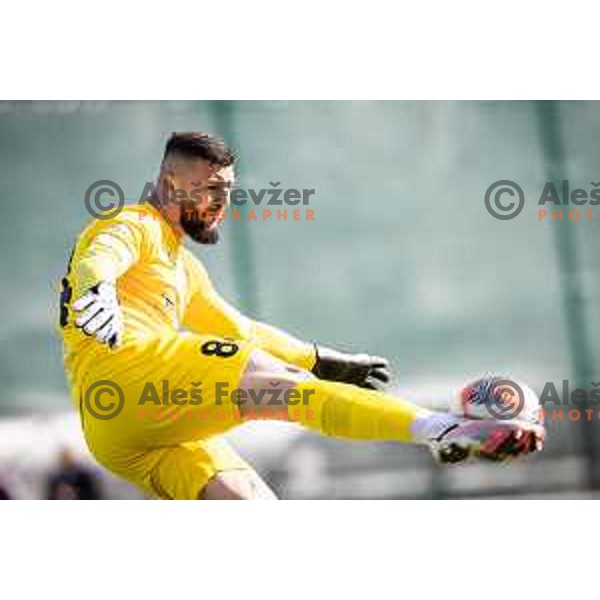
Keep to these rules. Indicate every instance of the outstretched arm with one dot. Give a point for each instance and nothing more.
(208, 312)
(110, 251)
(104, 253)
(285, 346)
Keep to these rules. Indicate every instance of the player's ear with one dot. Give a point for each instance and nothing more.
(167, 181)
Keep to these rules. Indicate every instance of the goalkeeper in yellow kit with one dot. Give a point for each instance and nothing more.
(160, 366)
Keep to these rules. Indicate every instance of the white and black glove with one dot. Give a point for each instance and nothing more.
(99, 314)
(372, 372)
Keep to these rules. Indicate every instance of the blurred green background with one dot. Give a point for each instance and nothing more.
(402, 258)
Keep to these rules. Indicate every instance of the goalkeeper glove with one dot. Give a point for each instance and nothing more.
(100, 314)
(365, 371)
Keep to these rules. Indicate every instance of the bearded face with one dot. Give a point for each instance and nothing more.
(201, 226)
(207, 190)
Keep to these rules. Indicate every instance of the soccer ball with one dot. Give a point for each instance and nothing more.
(497, 397)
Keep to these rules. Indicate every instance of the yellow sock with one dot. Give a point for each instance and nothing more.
(347, 411)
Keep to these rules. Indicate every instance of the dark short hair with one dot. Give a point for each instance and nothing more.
(195, 144)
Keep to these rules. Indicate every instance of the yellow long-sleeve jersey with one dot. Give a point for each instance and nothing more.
(173, 449)
(161, 288)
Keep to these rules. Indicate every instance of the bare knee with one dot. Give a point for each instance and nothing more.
(264, 368)
(267, 382)
(237, 485)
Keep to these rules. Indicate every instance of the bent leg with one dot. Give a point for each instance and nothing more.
(237, 485)
(347, 411)
(332, 408)
(204, 469)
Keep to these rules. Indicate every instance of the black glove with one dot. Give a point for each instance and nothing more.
(365, 371)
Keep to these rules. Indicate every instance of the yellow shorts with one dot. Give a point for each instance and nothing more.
(154, 413)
